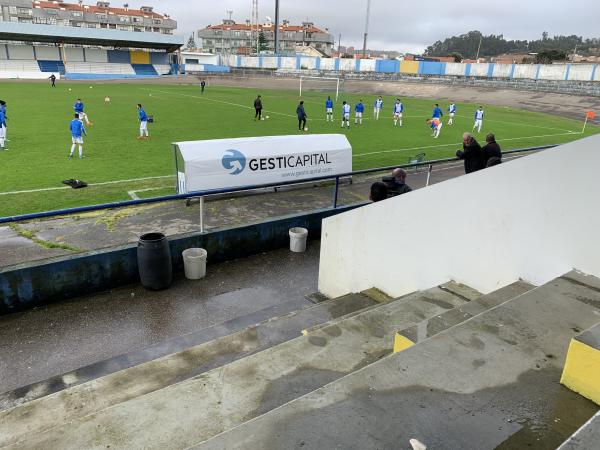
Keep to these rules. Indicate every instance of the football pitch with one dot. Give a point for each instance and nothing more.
(118, 167)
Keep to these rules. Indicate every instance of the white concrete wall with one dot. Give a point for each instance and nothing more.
(47, 53)
(20, 52)
(455, 69)
(96, 55)
(327, 64)
(249, 61)
(347, 64)
(555, 72)
(288, 63)
(162, 69)
(269, 62)
(597, 73)
(479, 70)
(367, 65)
(581, 72)
(308, 62)
(24, 75)
(530, 228)
(502, 70)
(228, 60)
(525, 71)
(3, 54)
(74, 54)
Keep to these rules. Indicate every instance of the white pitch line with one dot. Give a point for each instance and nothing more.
(105, 183)
(134, 196)
(570, 133)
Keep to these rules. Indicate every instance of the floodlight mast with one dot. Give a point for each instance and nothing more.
(364, 52)
(276, 29)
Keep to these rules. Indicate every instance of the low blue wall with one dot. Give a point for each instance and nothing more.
(28, 285)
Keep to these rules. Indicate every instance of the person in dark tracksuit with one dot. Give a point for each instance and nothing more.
(52, 78)
(258, 108)
(202, 86)
(491, 151)
(301, 116)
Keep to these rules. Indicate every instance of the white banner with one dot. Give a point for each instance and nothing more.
(230, 163)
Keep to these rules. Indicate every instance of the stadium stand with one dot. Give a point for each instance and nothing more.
(83, 53)
(144, 69)
(52, 66)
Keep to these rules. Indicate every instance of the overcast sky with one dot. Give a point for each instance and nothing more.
(403, 25)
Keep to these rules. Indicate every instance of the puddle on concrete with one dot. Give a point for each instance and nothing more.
(535, 412)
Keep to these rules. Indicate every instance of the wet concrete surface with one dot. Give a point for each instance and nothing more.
(491, 382)
(103, 229)
(270, 326)
(62, 337)
(182, 414)
(587, 437)
(124, 384)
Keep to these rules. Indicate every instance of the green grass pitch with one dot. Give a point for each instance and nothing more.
(117, 165)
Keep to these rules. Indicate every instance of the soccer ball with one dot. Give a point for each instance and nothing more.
(70, 89)
(107, 99)
(91, 87)
(306, 129)
(267, 117)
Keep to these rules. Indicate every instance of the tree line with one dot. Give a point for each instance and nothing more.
(548, 48)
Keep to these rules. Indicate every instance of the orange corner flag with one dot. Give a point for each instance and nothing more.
(590, 115)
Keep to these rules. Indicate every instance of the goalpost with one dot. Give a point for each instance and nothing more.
(330, 80)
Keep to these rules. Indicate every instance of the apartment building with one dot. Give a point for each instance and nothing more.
(100, 15)
(241, 38)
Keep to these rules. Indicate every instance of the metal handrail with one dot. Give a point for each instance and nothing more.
(82, 209)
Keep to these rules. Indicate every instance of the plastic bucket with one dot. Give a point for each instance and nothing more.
(154, 261)
(298, 238)
(194, 263)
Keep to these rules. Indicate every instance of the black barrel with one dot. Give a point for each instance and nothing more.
(154, 261)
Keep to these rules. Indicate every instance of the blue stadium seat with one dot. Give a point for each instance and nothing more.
(52, 66)
(144, 69)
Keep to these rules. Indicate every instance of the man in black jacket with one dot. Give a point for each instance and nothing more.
(301, 116)
(258, 108)
(491, 150)
(471, 153)
(396, 184)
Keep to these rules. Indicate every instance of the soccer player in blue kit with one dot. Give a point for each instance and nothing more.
(359, 109)
(329, 109)
(77, 132)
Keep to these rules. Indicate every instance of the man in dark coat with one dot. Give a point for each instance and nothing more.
(396, 184)
(491, 150)
(471, 153)
(301, 116)
(258, 108)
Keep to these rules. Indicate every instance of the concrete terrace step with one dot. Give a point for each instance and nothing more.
(197, 409)
(436, 325)
(432, 295)
(490, 383)
(130, 376)
(291, 310)
(586, 438)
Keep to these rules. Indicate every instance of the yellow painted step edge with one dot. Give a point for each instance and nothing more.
(401, 343)
(582, 370)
